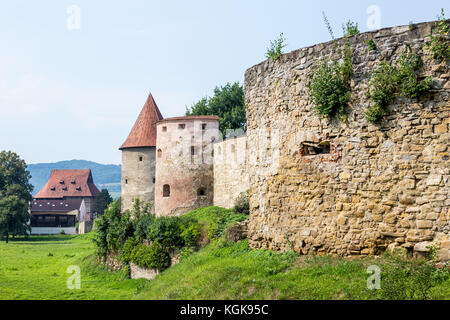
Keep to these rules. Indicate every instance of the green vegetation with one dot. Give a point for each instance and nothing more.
(329, 85)
(330, 88)
(382, 88)
(389, 80)
(350, 28)
(225, 270)
(410, 279)
(275, 50)
(15, 194)
(439, 44)
(241, 204)
(371, 45)
(102, 201)
(228, 104)
(36, 268)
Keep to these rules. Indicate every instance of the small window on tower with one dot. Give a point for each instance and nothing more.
(126, 181)
(140, 158)
(166, 191)
(201, 192)
(154, 180)
(192, 151)
(164, 129)
(159, 153)
(181, 126)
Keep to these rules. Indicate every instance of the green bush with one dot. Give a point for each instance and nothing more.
(276, 47)
(388, 80)
(154, 256)
(409, 67)
(142, 226)
(127, 252)
(113, 229)
(330, 88)
(350, 29)
(191, 233)
(439, 44)
(241, 204)
(382, 87)
(166, 230)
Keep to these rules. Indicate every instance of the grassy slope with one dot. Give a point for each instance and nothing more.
(218, 271)
(237, 272)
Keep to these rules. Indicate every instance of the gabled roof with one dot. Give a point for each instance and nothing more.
(57, 205)
(143, 133)
(68, 183)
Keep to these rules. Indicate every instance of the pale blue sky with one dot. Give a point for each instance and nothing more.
(75, 94)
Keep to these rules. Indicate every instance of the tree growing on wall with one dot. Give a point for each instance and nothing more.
(227, 103)
(15, 195)
(102, 201)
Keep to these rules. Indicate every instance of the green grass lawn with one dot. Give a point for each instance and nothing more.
(37, 269)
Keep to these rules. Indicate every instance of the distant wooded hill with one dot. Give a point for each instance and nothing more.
(106, 176)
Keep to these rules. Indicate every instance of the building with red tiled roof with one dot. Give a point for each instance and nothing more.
(168, 161)
(138, 156)
(56, 206)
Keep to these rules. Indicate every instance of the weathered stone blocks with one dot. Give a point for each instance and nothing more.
(379, 185)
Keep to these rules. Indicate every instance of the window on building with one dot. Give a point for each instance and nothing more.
(164, 129)
(126, 181)
(159, 153)
(203, 126)
(154, 180)
(141, 158)
(166, 191)
(233, 148)
(181, 126)
(193, 151)
(201, 192)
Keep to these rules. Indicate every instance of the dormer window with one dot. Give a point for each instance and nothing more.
(73, 182)
(65, 188)
(78, 188)
(61, 182)
(53, 188)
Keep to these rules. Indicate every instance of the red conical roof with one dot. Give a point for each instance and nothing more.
(143, 133)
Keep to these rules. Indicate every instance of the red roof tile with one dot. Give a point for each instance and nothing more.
(143, 133)
(68, 183)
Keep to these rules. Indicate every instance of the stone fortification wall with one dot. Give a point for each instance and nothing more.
(376, 185)
(230, 171)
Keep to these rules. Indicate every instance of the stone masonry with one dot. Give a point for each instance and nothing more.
(230, 171)
(370, 186)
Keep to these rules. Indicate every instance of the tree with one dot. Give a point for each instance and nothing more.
(102, 201)
(15, 195)
(227, 103)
